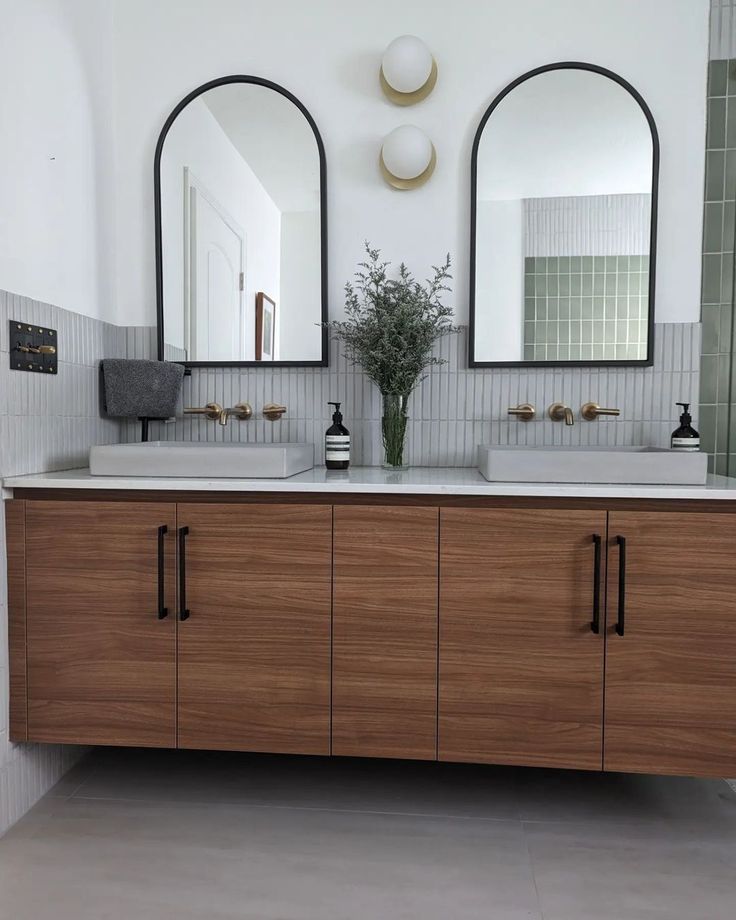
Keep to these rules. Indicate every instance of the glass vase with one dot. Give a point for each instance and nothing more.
(394, 417)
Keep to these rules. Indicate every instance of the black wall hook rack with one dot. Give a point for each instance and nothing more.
(32, 348)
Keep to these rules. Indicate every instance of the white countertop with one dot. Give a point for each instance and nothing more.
(367, 480)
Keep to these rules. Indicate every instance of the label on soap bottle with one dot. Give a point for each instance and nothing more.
(337, 447)
(685, 443)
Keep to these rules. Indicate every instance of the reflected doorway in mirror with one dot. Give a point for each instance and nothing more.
(214, 277)
(256, 220)
(265, 327)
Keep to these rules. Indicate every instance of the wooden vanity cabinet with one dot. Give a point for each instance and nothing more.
(384, 654)
(254, 648)
(521, 669)
(489, 632)
(100, 658)
(671, 674)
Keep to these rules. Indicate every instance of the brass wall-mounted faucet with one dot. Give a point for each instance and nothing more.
(590, 411)
(525, 412)
(273, 412)
(559, 411)
(242, 411)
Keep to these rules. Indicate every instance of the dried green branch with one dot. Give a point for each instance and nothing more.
(393, 324)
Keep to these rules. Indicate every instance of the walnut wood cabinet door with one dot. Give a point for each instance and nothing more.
(671, 644)
(254, 627)
(384, 668)
(101, 630)
(521, 667)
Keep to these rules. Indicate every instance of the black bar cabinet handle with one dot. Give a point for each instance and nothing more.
(595, 624)
(621, 541)
(183, 612)
(163, 611)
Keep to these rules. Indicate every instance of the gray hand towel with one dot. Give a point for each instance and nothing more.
(141, 389)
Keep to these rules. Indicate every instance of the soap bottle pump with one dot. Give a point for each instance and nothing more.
(337, 442)
(685, 437)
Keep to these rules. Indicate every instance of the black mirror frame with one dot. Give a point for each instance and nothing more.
(594, 68)
(269, 84)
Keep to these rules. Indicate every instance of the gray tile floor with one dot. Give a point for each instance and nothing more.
(158, 835)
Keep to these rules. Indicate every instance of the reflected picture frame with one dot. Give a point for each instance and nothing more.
(265, 327)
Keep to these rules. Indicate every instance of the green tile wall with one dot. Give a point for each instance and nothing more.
(717, 300)
(586, 308)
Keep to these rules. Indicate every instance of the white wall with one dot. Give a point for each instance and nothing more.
(56, 219)
(301, 304)
(196, 140)
(499, 281)
(328, 53)
(56, 226)
(565, 133)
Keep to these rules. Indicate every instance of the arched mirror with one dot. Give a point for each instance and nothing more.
(563, 222)
(241, 232)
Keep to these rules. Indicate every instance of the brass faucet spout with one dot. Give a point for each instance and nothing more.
(559, 412)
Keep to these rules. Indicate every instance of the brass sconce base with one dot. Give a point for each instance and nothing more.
(408, 184)
(409, 98)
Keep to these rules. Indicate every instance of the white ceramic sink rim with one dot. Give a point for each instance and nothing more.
(202, 459)
(592, 464)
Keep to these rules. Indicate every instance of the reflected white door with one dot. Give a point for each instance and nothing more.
(216, 321)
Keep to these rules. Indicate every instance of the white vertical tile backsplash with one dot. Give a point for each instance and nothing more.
(46, 423)
(454, 408)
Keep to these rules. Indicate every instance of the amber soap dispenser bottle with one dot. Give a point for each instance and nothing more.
(337, 442)
(685, 437)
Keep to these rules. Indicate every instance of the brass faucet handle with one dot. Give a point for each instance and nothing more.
(559, 411)
(525, 412)
(590, 411)
(273, 412)
(213, 411)
(242, 411)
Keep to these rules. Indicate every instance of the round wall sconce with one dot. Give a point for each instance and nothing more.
(408, 157)
(408, 70)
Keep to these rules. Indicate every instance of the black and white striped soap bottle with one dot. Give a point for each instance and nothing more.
(337, 442)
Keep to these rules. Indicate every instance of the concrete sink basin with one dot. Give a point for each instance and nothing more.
(202, 460)
(620, 465)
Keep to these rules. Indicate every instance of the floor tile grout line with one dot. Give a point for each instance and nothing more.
(310, 808)
(531, 869)
(518, 819)
(94, 770)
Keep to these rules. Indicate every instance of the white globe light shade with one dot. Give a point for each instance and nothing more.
(406, 64)
(406, 152)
